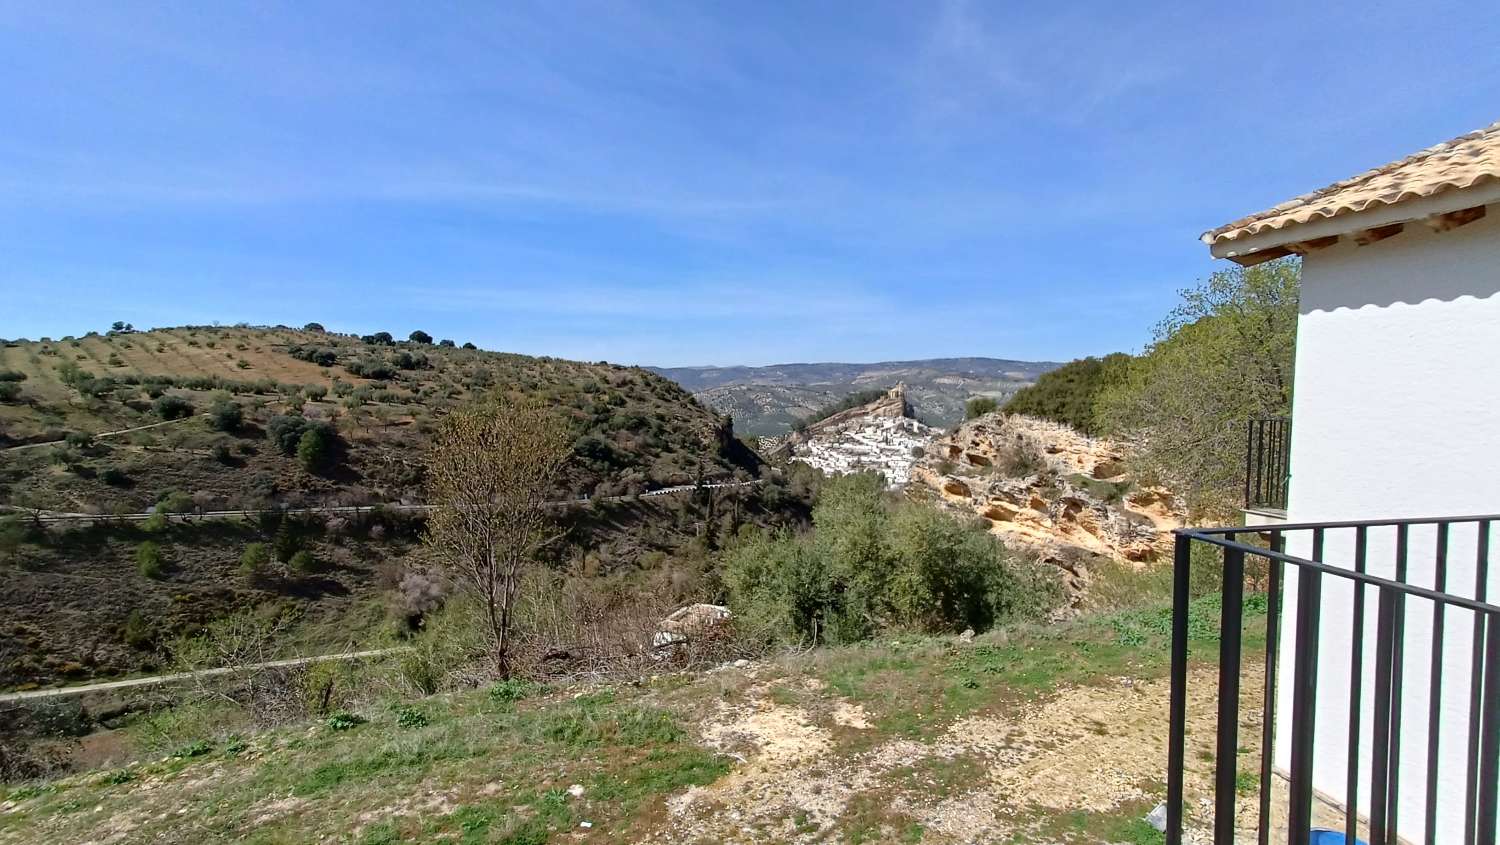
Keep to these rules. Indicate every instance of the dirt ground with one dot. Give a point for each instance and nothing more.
(1090, 752)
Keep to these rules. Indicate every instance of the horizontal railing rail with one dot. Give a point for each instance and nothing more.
(1342, 550)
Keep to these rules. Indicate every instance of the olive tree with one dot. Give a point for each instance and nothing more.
(491, 470)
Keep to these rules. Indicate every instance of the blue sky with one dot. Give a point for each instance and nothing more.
(688, 183)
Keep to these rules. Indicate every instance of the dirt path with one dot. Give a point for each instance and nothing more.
(157, 680)
(808, 770)
(103, 434)
(47, 516)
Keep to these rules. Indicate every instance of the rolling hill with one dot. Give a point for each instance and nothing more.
(769, 400)
(195, 419)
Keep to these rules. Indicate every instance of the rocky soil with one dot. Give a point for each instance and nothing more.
(1044, 486)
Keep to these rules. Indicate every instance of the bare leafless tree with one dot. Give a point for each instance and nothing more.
(491, 470)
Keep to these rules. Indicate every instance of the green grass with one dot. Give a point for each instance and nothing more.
(495, 765)
(910, 685)
(503, 768)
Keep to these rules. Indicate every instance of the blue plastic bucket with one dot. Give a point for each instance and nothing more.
(1321, 836)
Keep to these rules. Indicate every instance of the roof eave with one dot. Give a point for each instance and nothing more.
(1252, 249)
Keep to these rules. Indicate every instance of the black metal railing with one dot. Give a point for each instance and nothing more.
(1369, 560)
(1268, 451)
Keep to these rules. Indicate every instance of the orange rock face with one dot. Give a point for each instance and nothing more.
(1049, 488)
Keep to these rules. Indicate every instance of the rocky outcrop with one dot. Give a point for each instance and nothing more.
(1047, 487)
(880, 436)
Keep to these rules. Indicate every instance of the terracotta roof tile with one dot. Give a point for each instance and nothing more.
(1463, 162)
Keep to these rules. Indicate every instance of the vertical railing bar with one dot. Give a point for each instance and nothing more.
(1249, 456)
(1177, 707)
(1481, 584)
(1356, 681)
(1231, 622)
(1268, 708)
(1398, 669)
(1304, 704)
(1489, 751)
(1380, 734)
(1260, 461)
(1435, 693)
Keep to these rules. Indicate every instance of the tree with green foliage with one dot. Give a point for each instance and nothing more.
(285, 543)
(170, 407)
(420, 336)
(12, 534)
(303, 562)
(313, 327)
(1224, 355)
(979, 406)
(254, 562)
(148, 560)
(315, 448)
(225, 414)
(287, 430)
(138, 632)
(1070, 393)
(491, 472)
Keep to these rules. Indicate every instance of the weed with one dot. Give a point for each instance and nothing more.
(344, 721)
(514, 689)
(117, 777)
(193, 749)
(410, 717)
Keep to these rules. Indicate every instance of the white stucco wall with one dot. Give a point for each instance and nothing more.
(1396, 413)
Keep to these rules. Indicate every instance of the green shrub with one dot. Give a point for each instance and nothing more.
(514, 689)
(869, 565)
(226, 415)
(979, 406)
(138, 632)
(198, 748)
(254, 560)
(371, 368)
(12, 375)
(315, 448)
(344, 721)
(172, 407)
(286, 543)
(410, 717)
(9, 391)
(286, 431)
(13, 532)
(148, 560)
(304, 562)
(176, 502)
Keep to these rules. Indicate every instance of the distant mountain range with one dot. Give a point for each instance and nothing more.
(769, 400)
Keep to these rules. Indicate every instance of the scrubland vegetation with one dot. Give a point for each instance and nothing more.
(1221, 357)
(523, 687)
